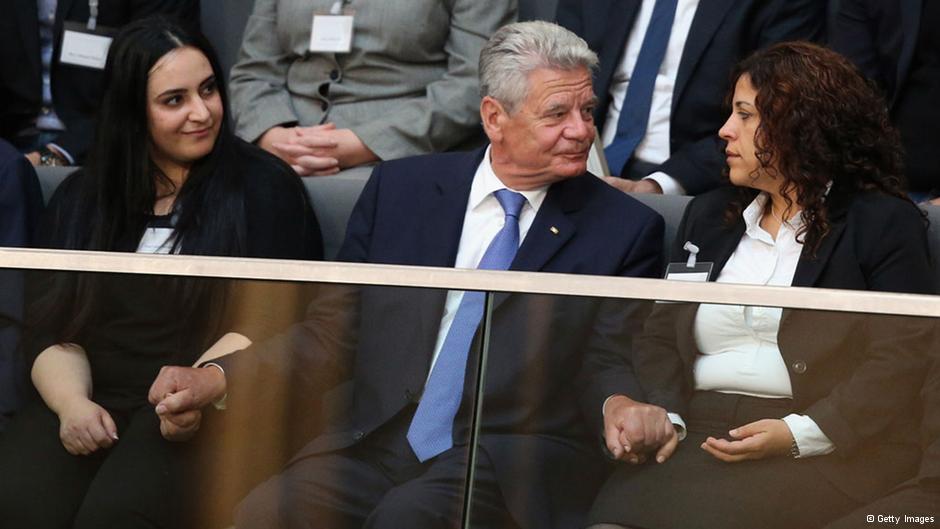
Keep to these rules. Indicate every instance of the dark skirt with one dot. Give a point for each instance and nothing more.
(693, 489)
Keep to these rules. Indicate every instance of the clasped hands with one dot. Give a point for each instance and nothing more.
(179, 394)
(633, 431)
(320, 150)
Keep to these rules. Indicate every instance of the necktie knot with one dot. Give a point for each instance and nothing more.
(510, 201)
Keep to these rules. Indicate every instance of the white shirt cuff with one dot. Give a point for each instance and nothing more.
(63, 152)
(670, 185)
(677, 421)
(809, 437)
(219, 404)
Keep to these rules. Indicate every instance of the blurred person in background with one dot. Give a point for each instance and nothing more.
(896, 45)
(664, 70)
(405, 83)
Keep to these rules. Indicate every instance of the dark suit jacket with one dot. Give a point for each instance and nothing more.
(880, 37)
(723, 32)
(20, 207)
(856, 375)
(411, 212)
(75, 90)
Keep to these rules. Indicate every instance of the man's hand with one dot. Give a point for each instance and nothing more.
(757, 440)
(634, 186)
(85, 427)
(33, 158)
(633, 429)
(179, 393)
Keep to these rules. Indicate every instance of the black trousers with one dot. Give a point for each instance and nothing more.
(377, 484)
(131, 485)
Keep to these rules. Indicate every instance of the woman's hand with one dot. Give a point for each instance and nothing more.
(85, 427)
(757, 440)
(317, 151)
(311, 151)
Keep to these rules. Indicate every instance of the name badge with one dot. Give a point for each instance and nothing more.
(698, 273)
(331, 33)
(83, 47)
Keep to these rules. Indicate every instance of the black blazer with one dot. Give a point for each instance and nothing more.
(880, 37)
(722, 33)
(382, 338)
(75, 90)
(857, 376)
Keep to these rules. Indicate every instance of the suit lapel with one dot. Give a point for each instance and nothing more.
(439, 237)
(808, 270)
(708, 17)
(910, 26)
(551, 229)
(717, 242)
(447, 206)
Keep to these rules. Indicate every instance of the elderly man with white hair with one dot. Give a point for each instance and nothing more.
(525, 202)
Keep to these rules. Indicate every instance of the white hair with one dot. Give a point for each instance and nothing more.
(515, 50)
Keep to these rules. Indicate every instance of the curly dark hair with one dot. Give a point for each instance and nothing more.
(821, 121)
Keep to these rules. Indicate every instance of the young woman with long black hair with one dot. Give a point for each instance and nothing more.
(165, 175)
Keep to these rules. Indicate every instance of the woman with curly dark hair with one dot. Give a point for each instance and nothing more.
(791, 418)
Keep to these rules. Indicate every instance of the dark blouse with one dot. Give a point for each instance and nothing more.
(136, 323)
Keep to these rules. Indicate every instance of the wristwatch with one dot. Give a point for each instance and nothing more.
(50, 158)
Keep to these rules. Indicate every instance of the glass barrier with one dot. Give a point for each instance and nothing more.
(345, 404)
(787, 417)
(316, 420)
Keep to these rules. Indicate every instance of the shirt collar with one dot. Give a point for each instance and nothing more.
(485, 183)
(754, 211)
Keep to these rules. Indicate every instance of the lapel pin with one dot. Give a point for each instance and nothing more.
(554, 230)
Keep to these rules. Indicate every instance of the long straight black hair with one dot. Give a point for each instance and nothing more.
(116, 195)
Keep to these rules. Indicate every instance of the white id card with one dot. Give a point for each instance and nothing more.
(83, 48)
(331, 33)
(697, 273)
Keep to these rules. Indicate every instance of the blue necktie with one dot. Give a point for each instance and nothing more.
(432, 427)
(635, 111)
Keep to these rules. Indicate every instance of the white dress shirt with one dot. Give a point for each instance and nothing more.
(655, 145)
(482, 221)
(740, 353)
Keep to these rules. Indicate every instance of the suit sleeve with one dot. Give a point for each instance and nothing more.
(608, 365)
(449, 112)
(697, 165)
(894, 258)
